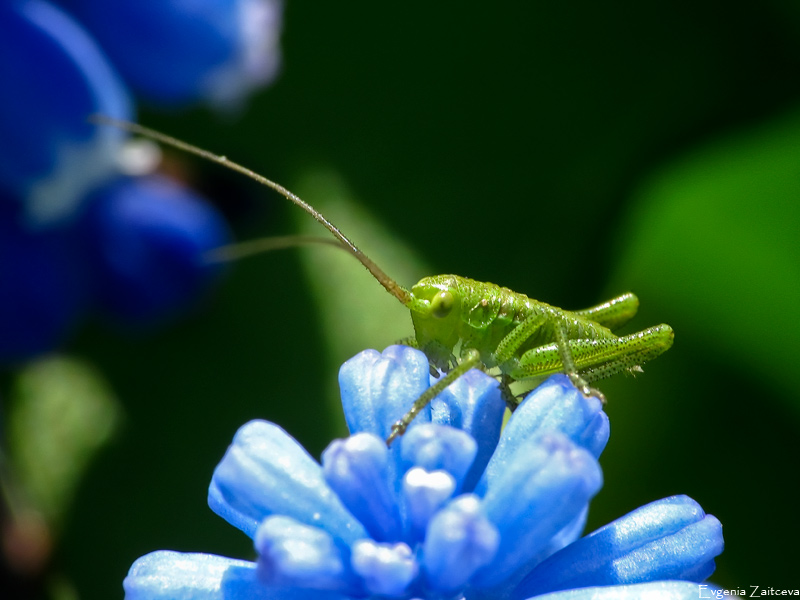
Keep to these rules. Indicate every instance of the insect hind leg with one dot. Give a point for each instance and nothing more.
(594, 359)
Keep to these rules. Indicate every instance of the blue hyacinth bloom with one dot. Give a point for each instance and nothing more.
(454, 509)
(178, 52)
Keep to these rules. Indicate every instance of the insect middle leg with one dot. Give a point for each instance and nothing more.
(568, 363)
(509, 345)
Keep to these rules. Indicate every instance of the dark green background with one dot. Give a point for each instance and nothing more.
(568, 150)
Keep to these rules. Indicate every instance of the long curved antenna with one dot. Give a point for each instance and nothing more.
(394, 288)
(239, 250)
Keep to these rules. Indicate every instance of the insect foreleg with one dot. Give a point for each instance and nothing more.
(472, 359)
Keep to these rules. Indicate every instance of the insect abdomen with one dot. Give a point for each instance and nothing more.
(490, 312)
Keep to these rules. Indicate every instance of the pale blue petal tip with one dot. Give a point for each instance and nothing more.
(166, 575)
(386, 569)
(424, 493)
(437, 447)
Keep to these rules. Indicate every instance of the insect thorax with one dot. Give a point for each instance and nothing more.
(479, 316)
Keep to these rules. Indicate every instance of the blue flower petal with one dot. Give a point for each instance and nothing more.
(386, 569)
(168, 575)
(240, 520)
(149, 236)
(668, 539)
(567, 535)
(265, 471)
(542, 488)
(358, 469)
(50, 156)
(295, 555)
(378, 388)
(657, 590)
(459, 541)
(178, 52)
(556, 405)
(473, 403)
(424, 493)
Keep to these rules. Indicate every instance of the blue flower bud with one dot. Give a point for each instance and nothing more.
(473, 403)
(386, 569)
(437, 447)
(359, 471)
(379, 387)
(253, 483)
(544, 485)
(556, 405)
(459, 541)
(668, 539)
(295, 555)
(168, 575)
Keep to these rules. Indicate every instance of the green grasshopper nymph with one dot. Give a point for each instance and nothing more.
(462, 324)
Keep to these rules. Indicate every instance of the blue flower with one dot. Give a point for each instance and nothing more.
(174, 53)
(454, 509)
(51, 157)
(44, 286)
(78, 233)
(145, 241)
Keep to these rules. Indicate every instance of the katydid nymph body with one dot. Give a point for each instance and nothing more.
(462, 324)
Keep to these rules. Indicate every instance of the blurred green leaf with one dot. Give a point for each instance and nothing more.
(61, 414)
(714, 245)
(355, 312)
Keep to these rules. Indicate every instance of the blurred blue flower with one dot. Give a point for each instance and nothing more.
(146, 238)
(55, 75)
(178, 52)
(43, 286)
(77, 233)
(453, 509)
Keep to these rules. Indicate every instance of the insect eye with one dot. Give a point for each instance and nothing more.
(442, 304)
